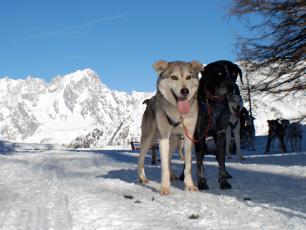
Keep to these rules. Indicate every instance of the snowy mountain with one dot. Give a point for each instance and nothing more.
(78, 110)
(32, 110)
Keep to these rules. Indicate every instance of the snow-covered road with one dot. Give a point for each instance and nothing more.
(45, 188)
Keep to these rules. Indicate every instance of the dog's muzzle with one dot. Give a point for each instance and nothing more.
(182, 103)
(184, 92)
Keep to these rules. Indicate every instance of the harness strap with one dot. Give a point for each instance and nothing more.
(171, 122)
(233, 125)
(213, 97)
(204, 134)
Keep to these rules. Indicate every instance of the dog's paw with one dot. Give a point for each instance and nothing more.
(242, 158)
(182, 177)
(202, 184)
(164, 191)
(173, 177)
(191, 188)
(143, 180)
(225, 185)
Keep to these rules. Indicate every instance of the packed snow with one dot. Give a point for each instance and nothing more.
(46, 187)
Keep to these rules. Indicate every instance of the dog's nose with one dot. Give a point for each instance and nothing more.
(185, 92)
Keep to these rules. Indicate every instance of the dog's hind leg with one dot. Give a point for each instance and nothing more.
(268, 146)
(282, 144)
(174, 142)
(147, 137)
(142, 155)
(292, 144)
(237, 141)
(154, 155)
(300, 138)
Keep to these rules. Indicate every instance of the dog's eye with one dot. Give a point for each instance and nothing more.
(188, 77)
(173, 77)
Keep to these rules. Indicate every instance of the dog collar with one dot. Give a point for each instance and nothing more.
(171, 122)
(213, 97)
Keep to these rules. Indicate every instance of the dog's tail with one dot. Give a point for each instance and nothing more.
(146, 101)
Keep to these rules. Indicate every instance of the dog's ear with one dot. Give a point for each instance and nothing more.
(197, 66)
(160, 66)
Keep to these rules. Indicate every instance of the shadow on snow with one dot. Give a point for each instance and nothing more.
(260, 187)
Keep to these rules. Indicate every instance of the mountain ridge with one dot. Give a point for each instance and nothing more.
(78, 108)
(33, 110)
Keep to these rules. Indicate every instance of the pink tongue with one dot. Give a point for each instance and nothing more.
(183, 106)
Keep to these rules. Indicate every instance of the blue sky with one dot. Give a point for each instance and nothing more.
(119, 39)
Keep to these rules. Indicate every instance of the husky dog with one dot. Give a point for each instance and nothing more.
(173, 110)
(235, 104)
(247, 130)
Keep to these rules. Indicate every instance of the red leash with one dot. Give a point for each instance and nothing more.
(209, 110)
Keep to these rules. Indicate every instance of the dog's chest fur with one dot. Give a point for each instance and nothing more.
(170, 114)
(216, 113)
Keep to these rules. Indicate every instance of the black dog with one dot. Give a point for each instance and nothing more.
(247, 130)
(218, 80)
(276, 130)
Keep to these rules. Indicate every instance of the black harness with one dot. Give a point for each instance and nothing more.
(233, 126)
(171, 122)
(214, 115)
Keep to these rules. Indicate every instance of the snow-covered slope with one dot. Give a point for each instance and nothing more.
(79, 110)
(32, 110)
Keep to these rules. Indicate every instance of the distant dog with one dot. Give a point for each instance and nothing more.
(276, 130)
(294, 135)
(235, 104)
(173, 108)
(218, 80)
(247, 130)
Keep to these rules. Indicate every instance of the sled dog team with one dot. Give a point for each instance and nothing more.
(205, 111)
(287, 133)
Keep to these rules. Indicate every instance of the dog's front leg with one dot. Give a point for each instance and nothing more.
(189, 186)
(165, 171)
(228, 141)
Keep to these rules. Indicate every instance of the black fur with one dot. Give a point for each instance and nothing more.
(213, 110)
(276, 130)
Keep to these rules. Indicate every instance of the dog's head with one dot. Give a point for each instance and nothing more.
(235, 104)
(233, 70)
(235, 101)
(218, 78)
(178, 81)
